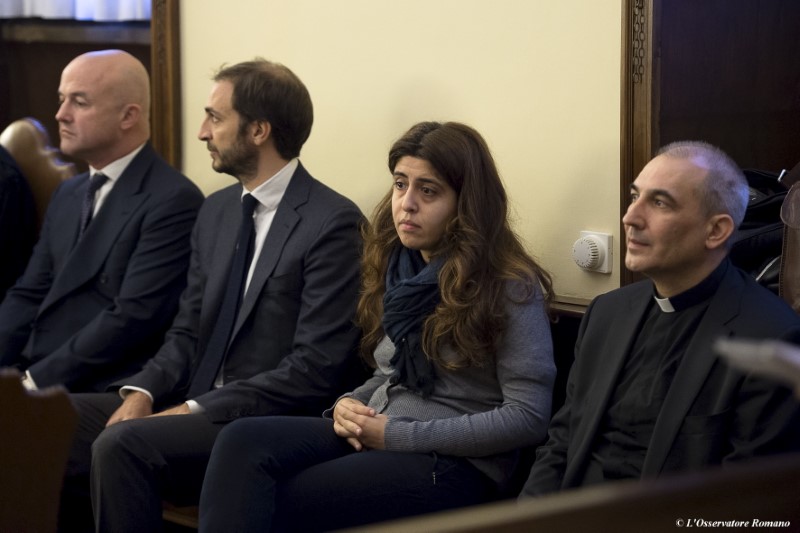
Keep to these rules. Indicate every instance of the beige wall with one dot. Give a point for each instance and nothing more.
(540, 79)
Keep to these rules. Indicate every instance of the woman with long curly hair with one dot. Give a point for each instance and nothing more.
(455, 324)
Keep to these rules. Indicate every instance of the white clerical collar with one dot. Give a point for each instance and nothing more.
(664, 304)
(701, 292)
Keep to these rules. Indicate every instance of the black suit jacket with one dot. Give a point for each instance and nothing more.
(293, 346)
(88, 313)
(18, 229)
(712, 414)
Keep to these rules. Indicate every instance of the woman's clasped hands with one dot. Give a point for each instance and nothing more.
(360, 425)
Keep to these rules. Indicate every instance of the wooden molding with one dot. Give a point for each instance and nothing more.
(74, 31)
(166, 134)
(638, 116)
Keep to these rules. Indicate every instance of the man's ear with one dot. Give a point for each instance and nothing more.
(261, 131)
(720, 229)
(131, 114)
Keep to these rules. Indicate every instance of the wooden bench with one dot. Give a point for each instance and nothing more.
(36, 430)
(765, 490)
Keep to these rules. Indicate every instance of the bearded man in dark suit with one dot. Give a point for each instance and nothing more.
(264, 325)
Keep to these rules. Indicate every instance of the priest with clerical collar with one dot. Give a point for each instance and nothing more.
(647, 395)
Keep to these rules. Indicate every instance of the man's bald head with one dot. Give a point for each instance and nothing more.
(105, 106)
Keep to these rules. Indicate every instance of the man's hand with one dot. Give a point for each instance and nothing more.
(182, 409)
(359, 424)
(136, 405)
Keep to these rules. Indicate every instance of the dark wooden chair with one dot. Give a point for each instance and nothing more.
(36, 430)
(29, 144)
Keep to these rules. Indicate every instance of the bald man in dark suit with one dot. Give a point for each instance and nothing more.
(103, 283)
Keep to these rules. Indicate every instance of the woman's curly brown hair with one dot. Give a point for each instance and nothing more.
(481, 253)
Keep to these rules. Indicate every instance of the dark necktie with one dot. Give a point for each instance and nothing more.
(97, 181)
(218, 342)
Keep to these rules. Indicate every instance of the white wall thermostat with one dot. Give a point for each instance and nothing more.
(592, 252)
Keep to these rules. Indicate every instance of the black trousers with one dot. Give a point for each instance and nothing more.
(133, 465)
(295, 474)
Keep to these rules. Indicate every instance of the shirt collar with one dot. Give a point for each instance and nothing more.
(115, 169)
(699, 293)
(270, 193)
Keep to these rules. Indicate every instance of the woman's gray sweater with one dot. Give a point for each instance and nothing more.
(483, 413)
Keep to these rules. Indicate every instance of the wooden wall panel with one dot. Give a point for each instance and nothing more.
(34, 52)
(730, 75)
(723, 71)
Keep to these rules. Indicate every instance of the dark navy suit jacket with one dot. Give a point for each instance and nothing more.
(292, 350)
(86, 313)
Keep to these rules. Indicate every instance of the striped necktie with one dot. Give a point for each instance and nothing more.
(87, 209)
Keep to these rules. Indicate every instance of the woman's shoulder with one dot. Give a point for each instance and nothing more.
(519, 292)
(526, 309)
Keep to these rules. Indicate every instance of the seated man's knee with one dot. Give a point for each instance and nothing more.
(113, 441)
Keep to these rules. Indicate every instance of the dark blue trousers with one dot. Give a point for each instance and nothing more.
(295, 474)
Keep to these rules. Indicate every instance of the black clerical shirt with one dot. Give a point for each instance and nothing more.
(667, 328)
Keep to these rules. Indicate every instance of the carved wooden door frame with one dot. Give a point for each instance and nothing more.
(166, 133)
(639, 113)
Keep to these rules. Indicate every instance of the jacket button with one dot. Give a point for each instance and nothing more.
(104, 278)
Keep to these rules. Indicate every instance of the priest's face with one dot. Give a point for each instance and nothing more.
(666, 224)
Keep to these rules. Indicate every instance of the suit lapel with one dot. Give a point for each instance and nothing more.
(226, 235)
(697, 363)
(90, 253)
(623, 328)
(286, 218)
(72, 216)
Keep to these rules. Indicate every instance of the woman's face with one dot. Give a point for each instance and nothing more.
(423, 204)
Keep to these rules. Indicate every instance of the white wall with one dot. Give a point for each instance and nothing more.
(540, 79)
